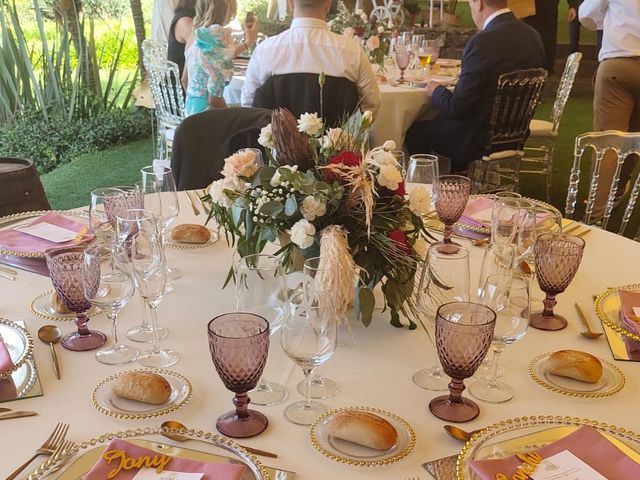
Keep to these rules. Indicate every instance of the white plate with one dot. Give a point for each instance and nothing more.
(40, 307)
(19, 345)
(193, 246)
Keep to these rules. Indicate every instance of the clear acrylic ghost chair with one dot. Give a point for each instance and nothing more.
(622, 144)
(538, 158)
(153, 51)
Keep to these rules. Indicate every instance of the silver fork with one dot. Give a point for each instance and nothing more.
(47, 448)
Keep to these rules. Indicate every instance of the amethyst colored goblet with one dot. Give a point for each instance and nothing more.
(451, 195)
(119, 200)
(65, 270)
(464, 331)
(558, 257)
(239, 343)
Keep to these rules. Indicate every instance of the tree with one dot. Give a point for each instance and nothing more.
(138, 22)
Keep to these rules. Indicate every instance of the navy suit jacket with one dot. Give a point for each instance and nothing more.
(506, 45)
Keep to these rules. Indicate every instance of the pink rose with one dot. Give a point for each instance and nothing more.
(373, 42)
(240, 164)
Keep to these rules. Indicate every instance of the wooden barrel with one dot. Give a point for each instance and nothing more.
(20, 187)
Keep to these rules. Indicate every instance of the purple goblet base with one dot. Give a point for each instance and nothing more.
(547, 322)
(454, 411)
(231, 425)
(83, 342)
(448, 248)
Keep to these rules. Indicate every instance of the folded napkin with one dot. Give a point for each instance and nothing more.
(629, 300)
(212, 471)
(586, 443)
(8, 390)
(12, 239)
(5, 359)
(481, 209)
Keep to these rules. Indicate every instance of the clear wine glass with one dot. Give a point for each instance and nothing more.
(463, 334)
(508, 296)
(399, 156)
(507, 216)
(498, 258)
(451, 196)
(149, 270)
(117, 285)
(239, 344)
(99, 223)
(444, 279)
(261, 289)
(403, 58)
(66, 272)
(423, 171)
(309, 337)
(128, 223)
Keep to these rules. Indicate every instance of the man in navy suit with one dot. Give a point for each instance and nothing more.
(460, 129)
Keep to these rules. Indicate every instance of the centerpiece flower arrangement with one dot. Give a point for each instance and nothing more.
(324, 193)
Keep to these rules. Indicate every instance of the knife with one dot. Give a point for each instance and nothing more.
(4, 274)
(10, 271)
(18, 414)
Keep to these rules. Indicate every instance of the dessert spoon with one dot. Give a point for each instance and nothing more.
(589, 333)
(460, 434)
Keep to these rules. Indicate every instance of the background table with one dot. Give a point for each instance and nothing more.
(375, 371)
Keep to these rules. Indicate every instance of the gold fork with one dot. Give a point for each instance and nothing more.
(59, 457)
(49, 446)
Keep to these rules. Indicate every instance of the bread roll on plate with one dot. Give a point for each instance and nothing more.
(57, 305)
(147, 387)
(364, 429)
(190, 233)
(575, 364)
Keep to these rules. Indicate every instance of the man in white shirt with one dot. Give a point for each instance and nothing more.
(310, 47)
(616, 102)
(161, 19)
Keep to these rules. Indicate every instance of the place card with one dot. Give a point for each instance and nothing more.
(636, 311)
(152, 474)
(50, 232)
(565, 466)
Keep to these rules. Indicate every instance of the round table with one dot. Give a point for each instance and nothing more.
(374, 371)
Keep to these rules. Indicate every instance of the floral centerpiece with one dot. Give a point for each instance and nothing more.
(332, 197)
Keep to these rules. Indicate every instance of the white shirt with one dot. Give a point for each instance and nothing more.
(494, 15)
(620, 20)
(161, 19)
(310, 47)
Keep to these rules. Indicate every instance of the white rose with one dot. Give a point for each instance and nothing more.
(380, 29)
(349, 32)
(421, 247)
(241, 164)
(337, 139)
(419, 201)
(217, 188)
(373, 42)
(383, 157)
(364, 17)
(389, 176)
(358, 11)
(389, 145)
(367, 116)
(310, 124)
(276, 179)
(302, 233)
(312, 208)
(266, 138)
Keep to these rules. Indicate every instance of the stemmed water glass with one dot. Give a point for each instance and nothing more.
(99, 222)
(423, 171)
(451, 195)
(403, 58)
(444, 279)
(463, 334)
(66, 272)
(508, 296)
(498, 258)
(261, 289)
(239, 344)
(557, 258)
(309, 337)
(117, 287)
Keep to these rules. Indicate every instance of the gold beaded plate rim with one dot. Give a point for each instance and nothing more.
(363, 463)
(215, 237)
(92, 312)
(602, 315)
(65, 457)
(618, 385)
(16, 217)
(26, 353)
(490, 432)
(142, 415)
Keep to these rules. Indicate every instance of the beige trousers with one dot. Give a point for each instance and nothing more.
(616, 106)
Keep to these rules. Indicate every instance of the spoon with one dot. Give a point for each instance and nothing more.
(589, 333)
(183, 438)
(51, 334)
(460, 434)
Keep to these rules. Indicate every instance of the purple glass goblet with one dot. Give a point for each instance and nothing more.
(464, 331)
(239, 343)
(65, 270)
(557, 257)
(451, 195)
(119, 200)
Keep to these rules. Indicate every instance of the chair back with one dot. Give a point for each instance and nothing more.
(153, 51)
(300, 93)
(164, 81)
(622, 144)
(202, 142)
(564, 88)
(21, 189)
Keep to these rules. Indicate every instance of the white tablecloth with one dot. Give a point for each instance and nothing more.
(376, 371)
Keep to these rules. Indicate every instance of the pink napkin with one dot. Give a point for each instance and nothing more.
(217, 471)
(474, 206)
(628, 300)
(12, 239)
(8, 390)
(5, 359)
(586, 443)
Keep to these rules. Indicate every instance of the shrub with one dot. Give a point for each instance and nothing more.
(57, 141)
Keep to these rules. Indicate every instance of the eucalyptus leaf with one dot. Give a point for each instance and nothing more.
(272, 209)
(290, 206)
(367, 304)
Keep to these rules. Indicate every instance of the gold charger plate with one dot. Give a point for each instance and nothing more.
(607, 307)
(40, 308)
(193, 246)
(353, 454)
(74, 463)
(113, 406)
(611, 382)
(19, 343)
(517, 435)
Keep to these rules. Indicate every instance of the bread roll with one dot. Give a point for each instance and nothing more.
(190, 233)
(364, 429)
(574, 364)
(147, 387)
(57, 305)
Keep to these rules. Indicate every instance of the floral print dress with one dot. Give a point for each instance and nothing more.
(210, 64)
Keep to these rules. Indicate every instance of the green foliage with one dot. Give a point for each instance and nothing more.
(259, 8)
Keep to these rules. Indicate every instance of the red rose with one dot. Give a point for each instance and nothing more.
(359, 31)
(348, 159)
(400, 240)
(400, 190)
